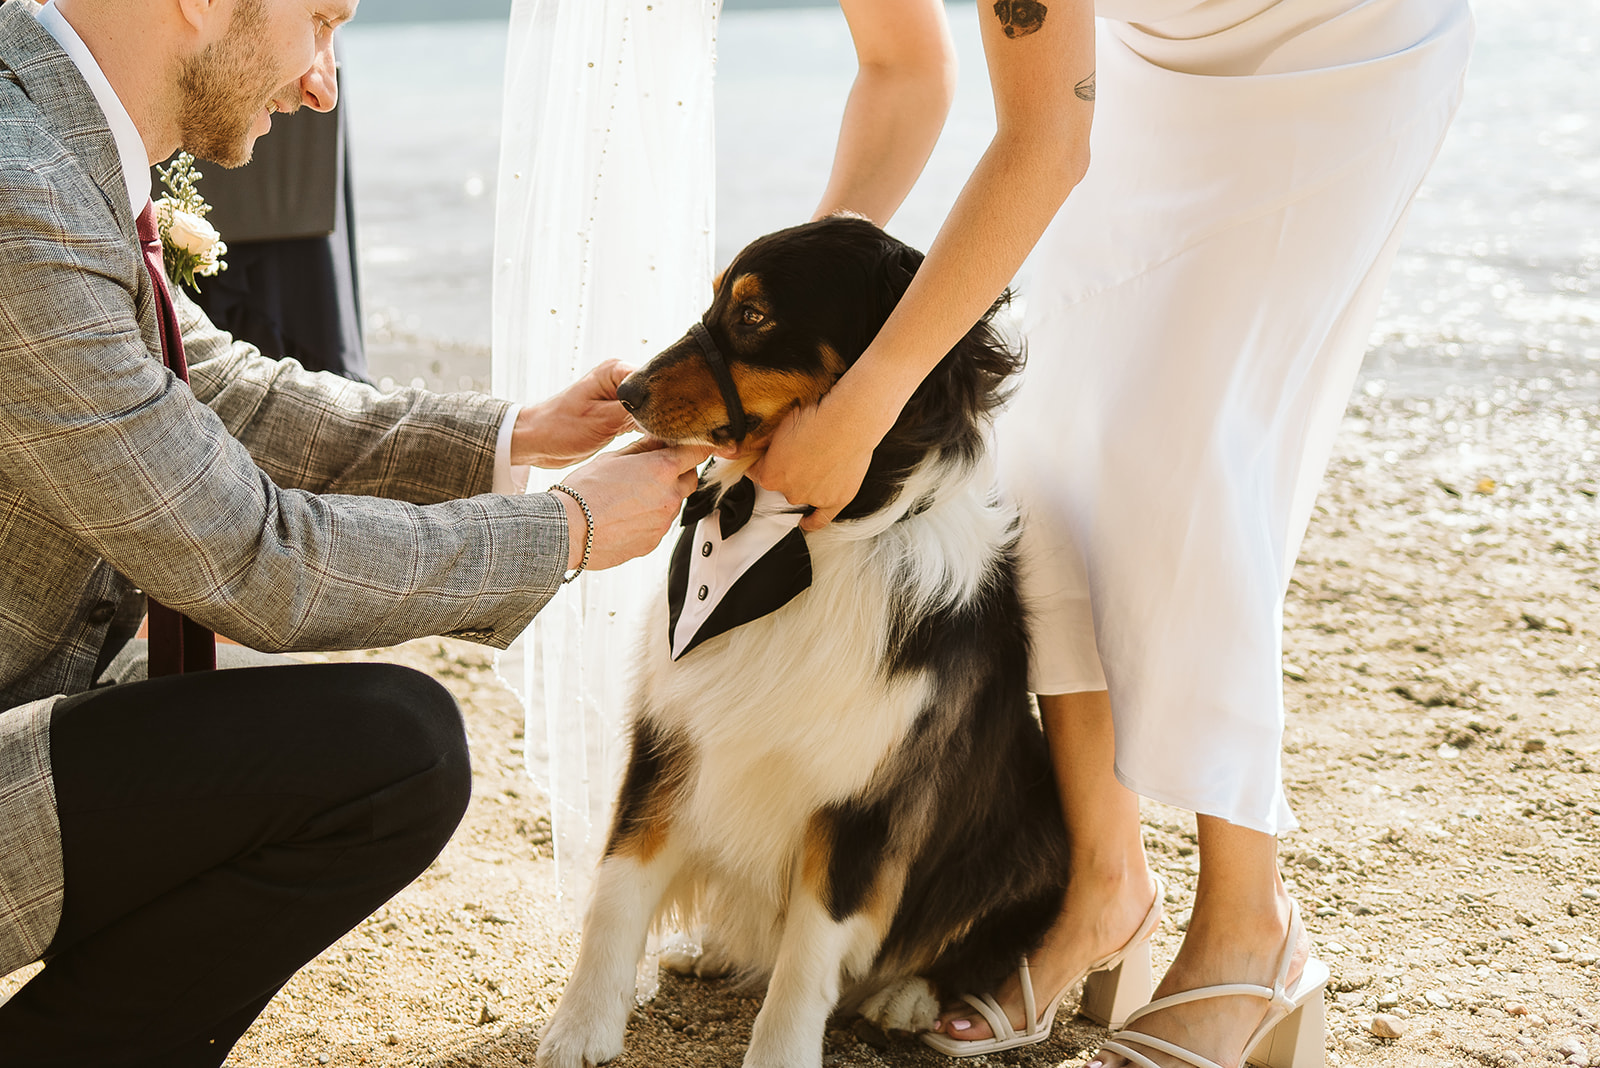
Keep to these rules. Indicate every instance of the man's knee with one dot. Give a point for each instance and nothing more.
(425, 740)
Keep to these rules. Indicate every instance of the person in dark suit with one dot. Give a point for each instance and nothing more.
(176, 848)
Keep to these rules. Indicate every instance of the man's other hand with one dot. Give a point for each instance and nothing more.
(574, 424)
(634, 495)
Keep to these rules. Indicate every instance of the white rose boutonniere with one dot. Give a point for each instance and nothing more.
(189, 245)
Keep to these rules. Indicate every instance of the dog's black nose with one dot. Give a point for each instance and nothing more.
(632, 393)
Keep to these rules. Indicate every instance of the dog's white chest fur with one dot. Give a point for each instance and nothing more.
(798, 709)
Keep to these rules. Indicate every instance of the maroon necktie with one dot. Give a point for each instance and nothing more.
(177, 643)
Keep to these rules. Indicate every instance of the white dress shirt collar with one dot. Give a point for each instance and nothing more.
(130, 146)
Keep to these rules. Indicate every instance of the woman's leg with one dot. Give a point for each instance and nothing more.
(1236, 935)
(1110, 889)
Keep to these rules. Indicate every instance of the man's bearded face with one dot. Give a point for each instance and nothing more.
(225, 88)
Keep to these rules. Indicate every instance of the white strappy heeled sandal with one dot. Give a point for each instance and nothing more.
(1292, 1036)
(1114, 986)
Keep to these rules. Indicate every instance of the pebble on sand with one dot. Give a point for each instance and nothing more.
(1386, 1026)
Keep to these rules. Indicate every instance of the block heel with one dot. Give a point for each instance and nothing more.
(1293, 1035)
(1111, 996)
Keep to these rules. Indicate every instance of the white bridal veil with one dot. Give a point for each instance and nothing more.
(603, 249)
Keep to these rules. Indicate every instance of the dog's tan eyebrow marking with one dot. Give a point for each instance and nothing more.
(747, 288)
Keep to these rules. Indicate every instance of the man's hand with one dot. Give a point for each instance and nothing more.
(574, 424)
(634, 495)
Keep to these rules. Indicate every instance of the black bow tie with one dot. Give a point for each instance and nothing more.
(780, 575)
(735, 505)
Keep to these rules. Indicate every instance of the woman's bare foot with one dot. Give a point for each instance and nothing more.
(1101, 913)
(1218, 948)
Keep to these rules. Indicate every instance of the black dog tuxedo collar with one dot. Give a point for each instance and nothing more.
(740, 557)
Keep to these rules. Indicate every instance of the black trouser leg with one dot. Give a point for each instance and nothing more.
(218, 831)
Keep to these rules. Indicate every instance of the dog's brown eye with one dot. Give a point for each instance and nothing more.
(752, 317)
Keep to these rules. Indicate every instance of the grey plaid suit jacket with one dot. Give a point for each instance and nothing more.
(284, 509)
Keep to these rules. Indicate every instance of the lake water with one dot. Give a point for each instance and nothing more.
(1496, 291)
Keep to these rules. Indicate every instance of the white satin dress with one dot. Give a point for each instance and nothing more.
(1198, 314)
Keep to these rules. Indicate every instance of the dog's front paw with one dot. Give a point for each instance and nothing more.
(910, 1004)
(573, 1042)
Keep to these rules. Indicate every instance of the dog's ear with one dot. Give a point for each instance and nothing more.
(895, 270)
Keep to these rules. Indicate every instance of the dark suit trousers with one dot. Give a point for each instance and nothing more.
(218, 831)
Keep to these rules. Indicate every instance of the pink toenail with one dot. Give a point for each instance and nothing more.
(960, 1025)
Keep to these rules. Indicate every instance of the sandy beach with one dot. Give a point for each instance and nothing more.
(1442, 752)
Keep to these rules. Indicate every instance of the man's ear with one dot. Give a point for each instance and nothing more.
(202, 15)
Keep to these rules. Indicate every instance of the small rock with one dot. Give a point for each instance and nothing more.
(1352, 980)
(1555, 945)
(1517, 1008)
(323, 1058)
(1388, 1001)
(1533, 1019)
(1509, 1058)
(392, 1039)
(486, 1015)
(1505, 934)
(1385, 1025)
(1525, 919)
(1571, 1047)
(1534, 745)
(1589, 893)
(1585, 960)
(1437, 998)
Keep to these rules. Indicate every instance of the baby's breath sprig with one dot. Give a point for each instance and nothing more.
(189, 244)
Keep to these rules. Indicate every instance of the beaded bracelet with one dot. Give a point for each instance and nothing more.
(588, 531)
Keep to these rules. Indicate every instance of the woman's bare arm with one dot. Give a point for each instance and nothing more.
(1041, 65)
(897, 106)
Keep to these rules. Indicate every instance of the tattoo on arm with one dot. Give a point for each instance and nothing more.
(1085, 88)
(1020, 17)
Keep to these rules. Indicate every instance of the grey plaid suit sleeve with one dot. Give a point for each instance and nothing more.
(409, 444)
(123, 458)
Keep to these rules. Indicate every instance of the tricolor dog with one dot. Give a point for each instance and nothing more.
(836, 775)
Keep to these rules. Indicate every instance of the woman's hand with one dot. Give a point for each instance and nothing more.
(819, 456)
(574, 424)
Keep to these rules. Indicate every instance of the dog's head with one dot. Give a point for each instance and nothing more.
(791, 314)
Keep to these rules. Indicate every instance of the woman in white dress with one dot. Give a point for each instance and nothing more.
(1197, 317)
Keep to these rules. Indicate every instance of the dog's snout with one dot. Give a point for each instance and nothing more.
(632, 393)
